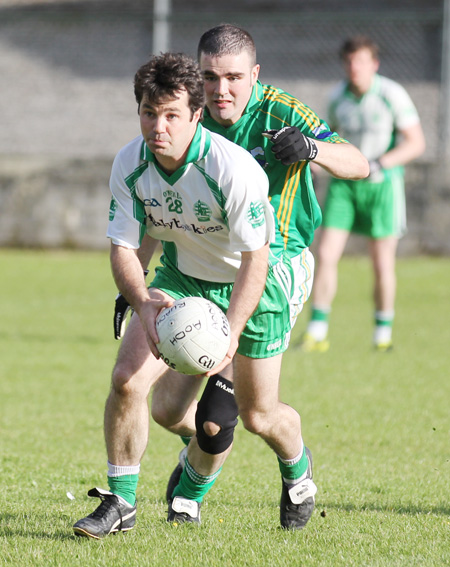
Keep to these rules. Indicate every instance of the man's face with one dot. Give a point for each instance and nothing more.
(360, 67)
(229, 81)
(168, 128)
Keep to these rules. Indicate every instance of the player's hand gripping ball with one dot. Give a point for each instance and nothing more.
(194, 335)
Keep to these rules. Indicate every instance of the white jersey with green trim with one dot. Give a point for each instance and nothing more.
(206, 213)
(372, 122)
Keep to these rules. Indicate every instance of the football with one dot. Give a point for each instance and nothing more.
(194, 335)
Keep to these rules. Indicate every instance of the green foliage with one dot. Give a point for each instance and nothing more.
(377, 425)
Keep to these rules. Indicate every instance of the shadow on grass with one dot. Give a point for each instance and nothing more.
(29, 338)
(442, 509)
(14, 530)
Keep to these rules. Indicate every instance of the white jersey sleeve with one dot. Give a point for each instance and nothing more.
(127, 211)
(403, 109)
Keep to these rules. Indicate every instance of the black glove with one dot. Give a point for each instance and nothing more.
(121, 309)
(290, 145)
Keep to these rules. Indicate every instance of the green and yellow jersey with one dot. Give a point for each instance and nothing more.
(291, 189)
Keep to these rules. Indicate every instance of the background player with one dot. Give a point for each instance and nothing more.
(377, 115)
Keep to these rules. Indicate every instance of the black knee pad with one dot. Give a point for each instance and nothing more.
(218, 405)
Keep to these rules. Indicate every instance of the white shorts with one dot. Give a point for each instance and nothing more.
(303, 269)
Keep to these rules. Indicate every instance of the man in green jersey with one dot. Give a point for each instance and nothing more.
(283, 135)
(377, 115)
(242, 109)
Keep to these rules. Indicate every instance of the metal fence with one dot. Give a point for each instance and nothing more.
(47, 49)
(67, 67)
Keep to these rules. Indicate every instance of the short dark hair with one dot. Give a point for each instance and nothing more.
(165, 75)
(227, 39)
(358, 42)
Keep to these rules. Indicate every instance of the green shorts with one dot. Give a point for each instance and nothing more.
(376, 210)
(267, 332)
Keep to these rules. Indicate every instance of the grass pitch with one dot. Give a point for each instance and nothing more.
(377, 424)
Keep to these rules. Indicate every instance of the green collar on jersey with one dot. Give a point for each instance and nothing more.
(254, 102)
(374, 88)
(256, 98)
(198, 148)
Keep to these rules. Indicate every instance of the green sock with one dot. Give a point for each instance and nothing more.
(192, 485)
(185, 439)
(124, 486)
(294, 468)
(384, 318)
(320, 314)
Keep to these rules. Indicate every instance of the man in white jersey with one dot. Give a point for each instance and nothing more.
(244, 111)
(377, 115)
(206, 200)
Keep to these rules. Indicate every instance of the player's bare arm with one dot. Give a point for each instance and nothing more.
(411, 146)
(247, 291)
(146, 250)
(344, 161)
(121, 305)
(130, 280)
(128, 275)
(248, 288)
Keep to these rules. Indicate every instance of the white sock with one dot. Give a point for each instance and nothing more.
(318, 330)
(382, 334)
(117, 470)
